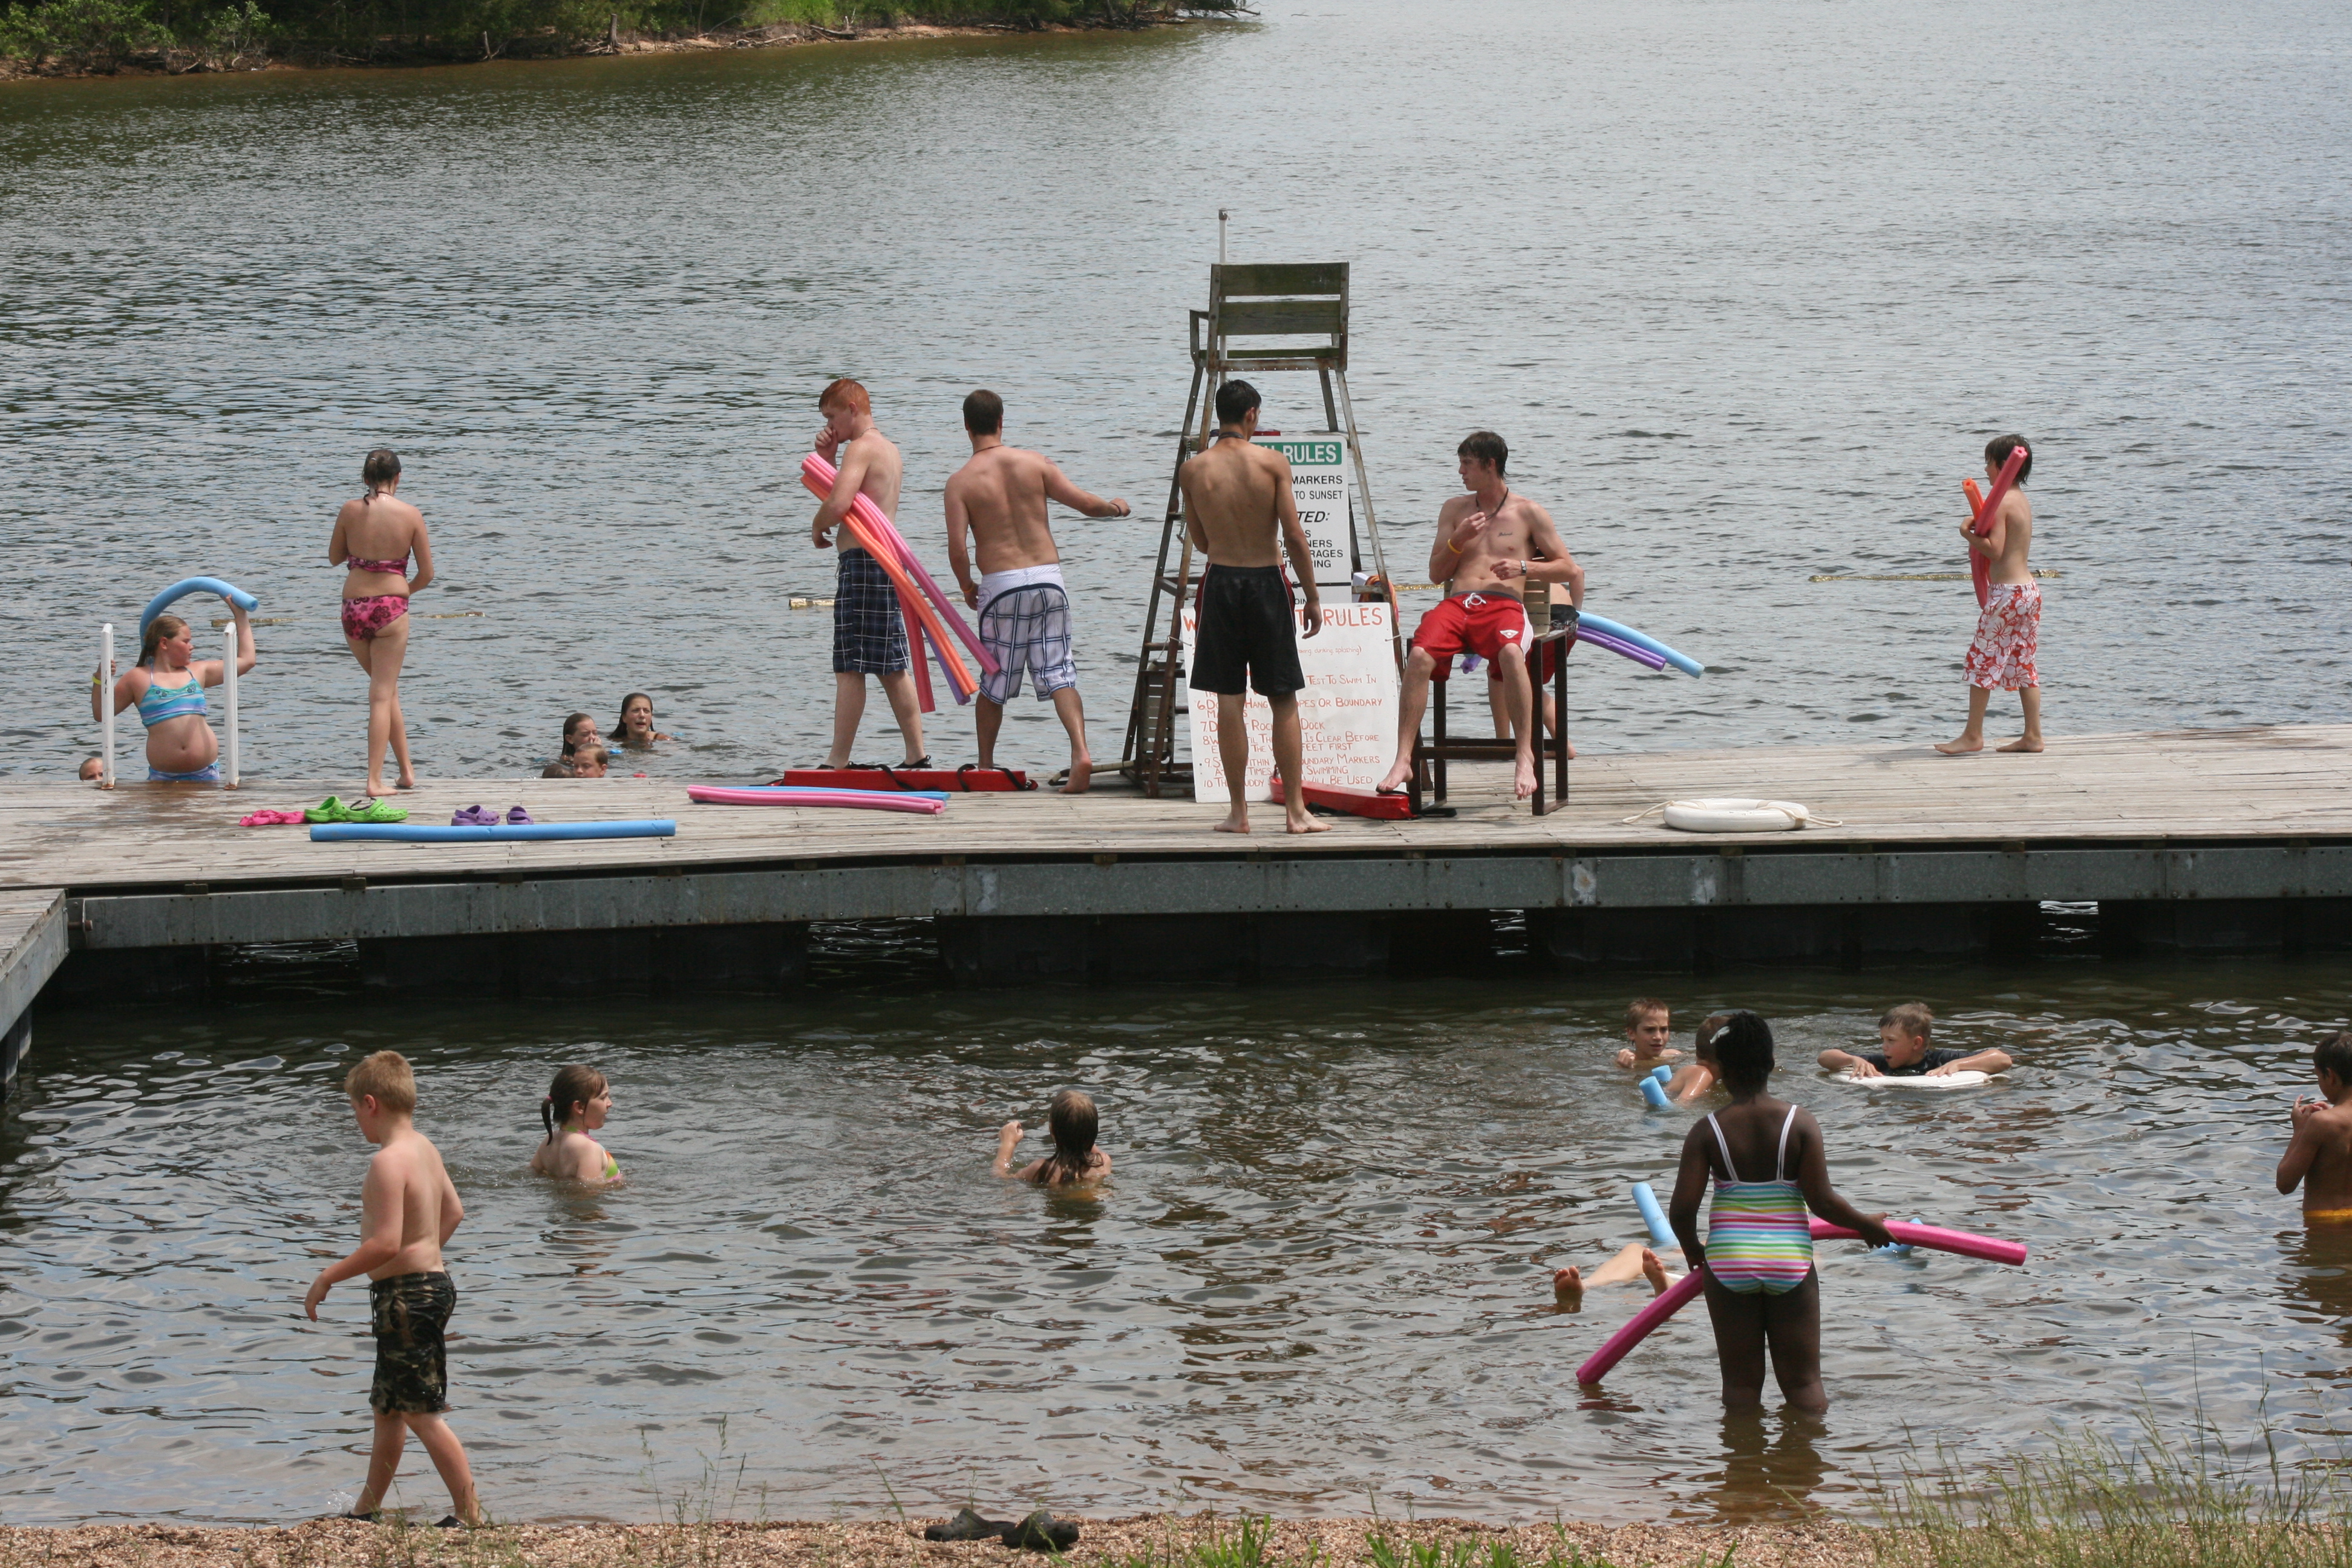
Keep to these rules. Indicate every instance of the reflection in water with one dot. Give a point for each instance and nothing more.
(1323, 1267)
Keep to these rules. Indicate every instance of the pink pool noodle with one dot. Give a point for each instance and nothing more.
(820, 475)
(1665, 1305)
(868, 800)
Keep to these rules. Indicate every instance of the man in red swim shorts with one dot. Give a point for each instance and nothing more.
(1490, 542)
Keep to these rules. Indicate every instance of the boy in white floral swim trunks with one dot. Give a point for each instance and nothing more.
(2009, 627)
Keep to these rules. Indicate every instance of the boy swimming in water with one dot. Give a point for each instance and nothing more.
(1903, 1051)
(1649, 1024)
(408, 1209)
(2319, 1156)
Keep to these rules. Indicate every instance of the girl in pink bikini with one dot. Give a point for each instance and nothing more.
(374, 537)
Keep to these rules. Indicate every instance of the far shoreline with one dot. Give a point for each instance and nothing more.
(545, 46)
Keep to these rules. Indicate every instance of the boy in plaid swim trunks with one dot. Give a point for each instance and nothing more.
(407, 1210)
(1025, 609)
(869, 635)
(2009, 628)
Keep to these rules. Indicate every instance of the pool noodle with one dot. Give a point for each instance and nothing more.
(1661, 1233)
(866, 799)
(1663, 1074)
(819, 477)
(828, 789)
(1608, 627)
(188, 586)
(1980, 568)
(859, 524)
(1621, 1343)
(420, 833)
(1624, 649)
(1653, 1093)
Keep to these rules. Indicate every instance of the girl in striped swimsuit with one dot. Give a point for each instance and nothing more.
(1761, 1291)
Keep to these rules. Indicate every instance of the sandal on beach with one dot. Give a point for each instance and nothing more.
(331, 809)
(378, 811)
(1041, 1531)
(968, 1525)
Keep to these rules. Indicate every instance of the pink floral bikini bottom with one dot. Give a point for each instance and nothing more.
(364, 618)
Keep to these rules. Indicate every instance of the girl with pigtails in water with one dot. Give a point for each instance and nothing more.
(1074, 1161)
(1762, 1290)
(576, 1105)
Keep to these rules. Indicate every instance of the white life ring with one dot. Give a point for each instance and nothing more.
(1966, 1078)
(1729, 814)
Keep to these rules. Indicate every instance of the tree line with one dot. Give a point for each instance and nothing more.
(195, 35)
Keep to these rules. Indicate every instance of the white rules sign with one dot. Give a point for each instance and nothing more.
(1318, 485)
(1347, 714)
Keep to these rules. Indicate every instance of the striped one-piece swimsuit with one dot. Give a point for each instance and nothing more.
(1759, 1236)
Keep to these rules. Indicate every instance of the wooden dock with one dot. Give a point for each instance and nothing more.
(2228, 837)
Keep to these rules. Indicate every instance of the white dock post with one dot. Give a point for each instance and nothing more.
(106, 703)
(228, 681)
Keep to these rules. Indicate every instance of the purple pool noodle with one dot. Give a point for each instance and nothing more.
(1641, 655)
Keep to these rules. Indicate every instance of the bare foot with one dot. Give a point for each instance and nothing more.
(1962, 746)
(1395, 776)
(1567, 1286)
(1654, 1272)
(408, 781)
(1569, 746)
(1236, 820)
(1523, 781)
(2023, 744)
(375, 790)
(1082, 773)
(1302, 822)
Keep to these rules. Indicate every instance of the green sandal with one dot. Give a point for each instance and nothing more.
(331, 809)
(378, 811)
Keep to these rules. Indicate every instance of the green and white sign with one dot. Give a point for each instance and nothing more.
(1319, 485)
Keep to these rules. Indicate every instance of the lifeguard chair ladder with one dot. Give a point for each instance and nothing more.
(1304, 304)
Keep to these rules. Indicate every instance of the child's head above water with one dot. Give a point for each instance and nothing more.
(1703, 1043)
(1073, 1122)
(1903, 1031)
(2331, 1059)
(569, 1097)
(1743, 1050)
(1649, 1024)
(588, 762)
(577, 728)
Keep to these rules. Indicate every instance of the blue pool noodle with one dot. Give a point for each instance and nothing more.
(1663, 1074)
(1655, 1093)
(188, 586)
(1602, 624)
(1661, 1233)
(425, 833)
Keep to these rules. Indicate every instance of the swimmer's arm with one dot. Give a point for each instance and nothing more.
(1988, 1060)
(214, 673)
(1846, 1061)
(1057, 485)
(1008, 1138)
(380, 1202)
(847, 482)
(958, 556)
(1294, 542)
(588, 1165)
(1991, 544)
(1813, 1180)
(1445, 551)
(2303, 1147)
(1690, 1186)
(1625, 1057)
(423, 558)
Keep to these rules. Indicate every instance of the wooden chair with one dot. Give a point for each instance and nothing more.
(1429, 756)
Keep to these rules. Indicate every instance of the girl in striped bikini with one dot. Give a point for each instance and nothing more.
(1761, 1291)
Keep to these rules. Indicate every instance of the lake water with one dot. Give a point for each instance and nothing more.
(1746, 285)
(1317, 1280)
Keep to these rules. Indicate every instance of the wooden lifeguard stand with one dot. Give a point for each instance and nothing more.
(1304, 306)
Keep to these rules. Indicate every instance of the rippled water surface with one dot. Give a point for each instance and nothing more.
(1318, 1273)
(1744, 284)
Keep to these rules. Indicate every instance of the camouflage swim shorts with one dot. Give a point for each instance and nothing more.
(409, 1313)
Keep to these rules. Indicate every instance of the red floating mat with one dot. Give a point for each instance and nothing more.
(968, 778)
(1353, 801)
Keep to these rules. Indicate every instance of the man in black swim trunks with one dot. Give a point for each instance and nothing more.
(1239, 512)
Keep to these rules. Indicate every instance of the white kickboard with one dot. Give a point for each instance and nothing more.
(1968, 1080)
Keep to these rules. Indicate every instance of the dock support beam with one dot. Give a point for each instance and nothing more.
(682, 960)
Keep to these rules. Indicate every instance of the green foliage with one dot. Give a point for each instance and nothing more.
(181, 34)
(2162, 1502)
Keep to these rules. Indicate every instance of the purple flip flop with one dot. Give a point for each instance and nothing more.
(474, 817)
(518, 815)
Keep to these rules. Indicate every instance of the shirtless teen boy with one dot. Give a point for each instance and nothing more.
(2319, 1157)
(407, 1210)
(1025, 610)
(868, 636)
(2009, 627)
(1490, 542)
(1239, 511)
